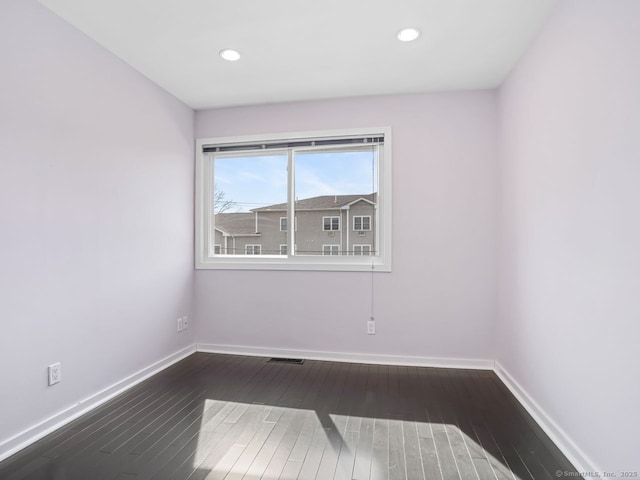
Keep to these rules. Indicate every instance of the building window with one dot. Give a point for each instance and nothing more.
(362, 223)
(284, 249)
(362, 249)
(253, 249)
(250, 188)
(330, 224)
(284, 224)
(330, 249)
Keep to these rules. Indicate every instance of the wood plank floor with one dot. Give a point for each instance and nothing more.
(233, 417)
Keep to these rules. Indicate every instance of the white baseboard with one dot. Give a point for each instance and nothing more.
(466, 363)
(557, 435)
(568, 447)
(34, 433)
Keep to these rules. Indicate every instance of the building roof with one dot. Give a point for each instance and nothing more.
(236, 223)
(323, 202)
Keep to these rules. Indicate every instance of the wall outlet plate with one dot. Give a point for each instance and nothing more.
(55, 373)
(185, 322)
(371, 327)
(180, 325)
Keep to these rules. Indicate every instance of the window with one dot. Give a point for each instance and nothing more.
(330, 223)
(330, 249)
(362, 249)
(284, 224)
(362, 222)
(284, 248)
(250, 188)
(253, 249)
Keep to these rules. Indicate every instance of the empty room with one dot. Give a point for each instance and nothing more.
(285, 239)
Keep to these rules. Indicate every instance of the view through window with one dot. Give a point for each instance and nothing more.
(328, 190)
(335, 201)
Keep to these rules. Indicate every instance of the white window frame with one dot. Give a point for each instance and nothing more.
(361, 247)
(253, 249)
(381, 262)
(332, 246)
(331, 218)
(361, 217)
(295, 221)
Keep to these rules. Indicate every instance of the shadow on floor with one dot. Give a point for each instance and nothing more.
(222, 416)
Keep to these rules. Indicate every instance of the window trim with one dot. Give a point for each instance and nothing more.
(361, 223)
(203, 210)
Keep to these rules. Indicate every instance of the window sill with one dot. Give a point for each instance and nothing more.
(352, 264)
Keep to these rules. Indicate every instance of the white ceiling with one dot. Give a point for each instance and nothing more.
(310, 49)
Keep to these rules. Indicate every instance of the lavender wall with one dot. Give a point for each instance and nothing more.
(96, 209)
(440, 299)
(570, 230)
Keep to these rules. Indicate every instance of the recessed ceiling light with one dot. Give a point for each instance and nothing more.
(408, 34)
(230, 55)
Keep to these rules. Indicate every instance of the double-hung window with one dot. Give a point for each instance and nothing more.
(330, 224)
(250, 188)
(362, 222)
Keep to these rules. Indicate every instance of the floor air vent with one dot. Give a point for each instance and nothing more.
(295, 361)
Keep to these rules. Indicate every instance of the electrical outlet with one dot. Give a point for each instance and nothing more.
(371, 327)
(55, 373)
(185, 322)
(180, 325)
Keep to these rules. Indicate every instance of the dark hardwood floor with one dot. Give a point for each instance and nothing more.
(223, 416)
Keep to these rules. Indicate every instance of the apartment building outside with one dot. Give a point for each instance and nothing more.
(324, 225)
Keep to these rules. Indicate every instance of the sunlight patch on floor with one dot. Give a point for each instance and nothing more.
(252, 441)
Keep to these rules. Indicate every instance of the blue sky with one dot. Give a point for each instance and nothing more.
(256, 181)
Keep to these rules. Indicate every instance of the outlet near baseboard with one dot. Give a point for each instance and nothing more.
(183, 323)
(55, 373)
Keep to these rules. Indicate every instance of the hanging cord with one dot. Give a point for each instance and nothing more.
(374, 220)
(372, 318)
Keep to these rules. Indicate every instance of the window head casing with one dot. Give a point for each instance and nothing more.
(249, 188)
